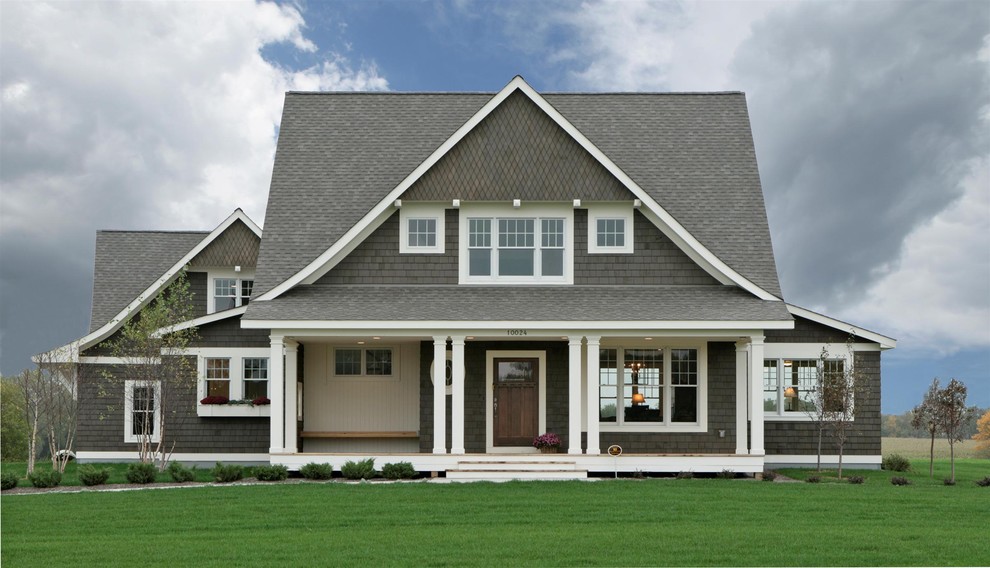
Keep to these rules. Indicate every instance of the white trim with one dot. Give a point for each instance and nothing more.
(158, 285)
(212, 274)
(110, 360)
(608, 211)
(203, 320)
(884, 341)
(84, 456)
(811, 460)
(381, 325)
(236, 355)
(431, 211)
(232, 410)
(802, 352)
(490, 357)
(319, 266)
(129, 385)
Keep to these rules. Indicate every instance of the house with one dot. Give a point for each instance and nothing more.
(598, 266)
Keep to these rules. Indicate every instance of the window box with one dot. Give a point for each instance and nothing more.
(233, 410)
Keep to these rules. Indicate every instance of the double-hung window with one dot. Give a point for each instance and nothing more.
(142, 420)
(255, 373)
(790, 386)
(651, 387)
(234, 374)
(517, 249)
(218, 377)
(231, 292)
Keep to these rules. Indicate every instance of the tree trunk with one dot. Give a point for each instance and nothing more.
(952, 460)
(840, 461)
(931, 458)
(819, 467)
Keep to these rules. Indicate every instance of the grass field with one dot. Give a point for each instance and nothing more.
(917, 448)
(610, 522)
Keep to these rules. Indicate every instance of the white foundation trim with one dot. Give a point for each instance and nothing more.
(84, 456)
(793, 460)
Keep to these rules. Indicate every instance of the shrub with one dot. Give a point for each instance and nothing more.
(401, 470)
(317, 471)
(141, 472)
(180, 473)
(271, 473)
(90, 475)
(227, 473)
(814, 479)
(898, 480)
(685, 475)
(856, 479)
(215, 400)
(985, 482)
(364, 469)
(9, 481)
(726, 474)
(769, 475)
(45, 478)
(895, 462)
(948, 481)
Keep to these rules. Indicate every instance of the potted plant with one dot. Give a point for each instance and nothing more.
(547, 443)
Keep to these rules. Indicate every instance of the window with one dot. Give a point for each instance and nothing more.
(660, 387)
(421, 227)
(519, 248)
(357, 362)
(141, 411)
(610, 228)
(789, 385)
(218, 377)
(255, 378)
(231, 292)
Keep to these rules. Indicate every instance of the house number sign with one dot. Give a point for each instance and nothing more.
(516, 332)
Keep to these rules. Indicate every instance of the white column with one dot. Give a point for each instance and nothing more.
(277, 386)
(457, 396)
(574, 395)
(291, 404)
(756, 396)
(439, 395)
(594, 444)
(742, 395)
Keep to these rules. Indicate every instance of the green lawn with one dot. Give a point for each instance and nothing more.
(624, 522)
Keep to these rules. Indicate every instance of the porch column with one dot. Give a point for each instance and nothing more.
(742, 395)
(574, 395)
(277, 386)
(291, 404)
(594, 445)
(756, 395)
(439, 395)
(457, 396)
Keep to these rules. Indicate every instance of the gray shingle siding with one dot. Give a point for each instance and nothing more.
(100, 421)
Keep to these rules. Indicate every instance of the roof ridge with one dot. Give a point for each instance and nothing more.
(492, 94)
(189, 232)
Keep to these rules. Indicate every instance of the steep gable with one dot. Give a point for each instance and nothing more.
(237, 246)
(517, 152)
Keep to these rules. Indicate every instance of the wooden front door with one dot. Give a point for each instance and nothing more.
(516, 401)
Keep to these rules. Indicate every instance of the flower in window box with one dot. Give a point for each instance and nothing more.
(215, 400)
(261, 401)
(548, 440)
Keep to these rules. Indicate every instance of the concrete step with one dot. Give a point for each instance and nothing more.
(509, 475)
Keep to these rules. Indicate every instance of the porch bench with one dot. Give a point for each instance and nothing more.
(390, 434)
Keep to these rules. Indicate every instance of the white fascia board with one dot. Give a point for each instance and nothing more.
(884, 341)
(687, 242)
(203, 320)
(152, 291)
(502, 325)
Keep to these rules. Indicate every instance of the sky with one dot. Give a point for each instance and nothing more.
(871, 122)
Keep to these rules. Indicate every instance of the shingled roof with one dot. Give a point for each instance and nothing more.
(339, 154)
(128, 261)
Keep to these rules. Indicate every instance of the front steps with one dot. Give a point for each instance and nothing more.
(494, 470)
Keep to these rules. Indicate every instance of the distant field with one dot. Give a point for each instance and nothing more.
(914, 448)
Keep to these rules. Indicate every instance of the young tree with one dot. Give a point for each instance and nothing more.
(152, 346)
(29, 381)
(925, 417)
(13, 423)
(843, 384)
(952, 416)
(57, 390)
(816, 409)
(983, 435)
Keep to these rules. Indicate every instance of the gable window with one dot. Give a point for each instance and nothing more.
(357, 362)
(647, 389)
(516, 247)
(141, 411)
(421, 228)
(610, 228)
(231, 292)
(789, 385)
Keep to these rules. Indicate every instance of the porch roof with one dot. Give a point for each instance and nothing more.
(518, 303)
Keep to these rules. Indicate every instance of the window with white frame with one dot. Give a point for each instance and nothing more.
(363, 361)
(790, 385)
(610, 228)
(235, 373)
(517, 248)
(231, 293)
(218, 377)
(650, 386)
(255, 374)
(421, 228)
(142, 420)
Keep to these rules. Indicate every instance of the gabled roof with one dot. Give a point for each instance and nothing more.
(884, 341)
(132, 267)
(341, 158)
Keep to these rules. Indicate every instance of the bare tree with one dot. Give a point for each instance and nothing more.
(925, 417)
(58, 389)
(843, 383)
(952, 416)
(29, 380)
(157, 375)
